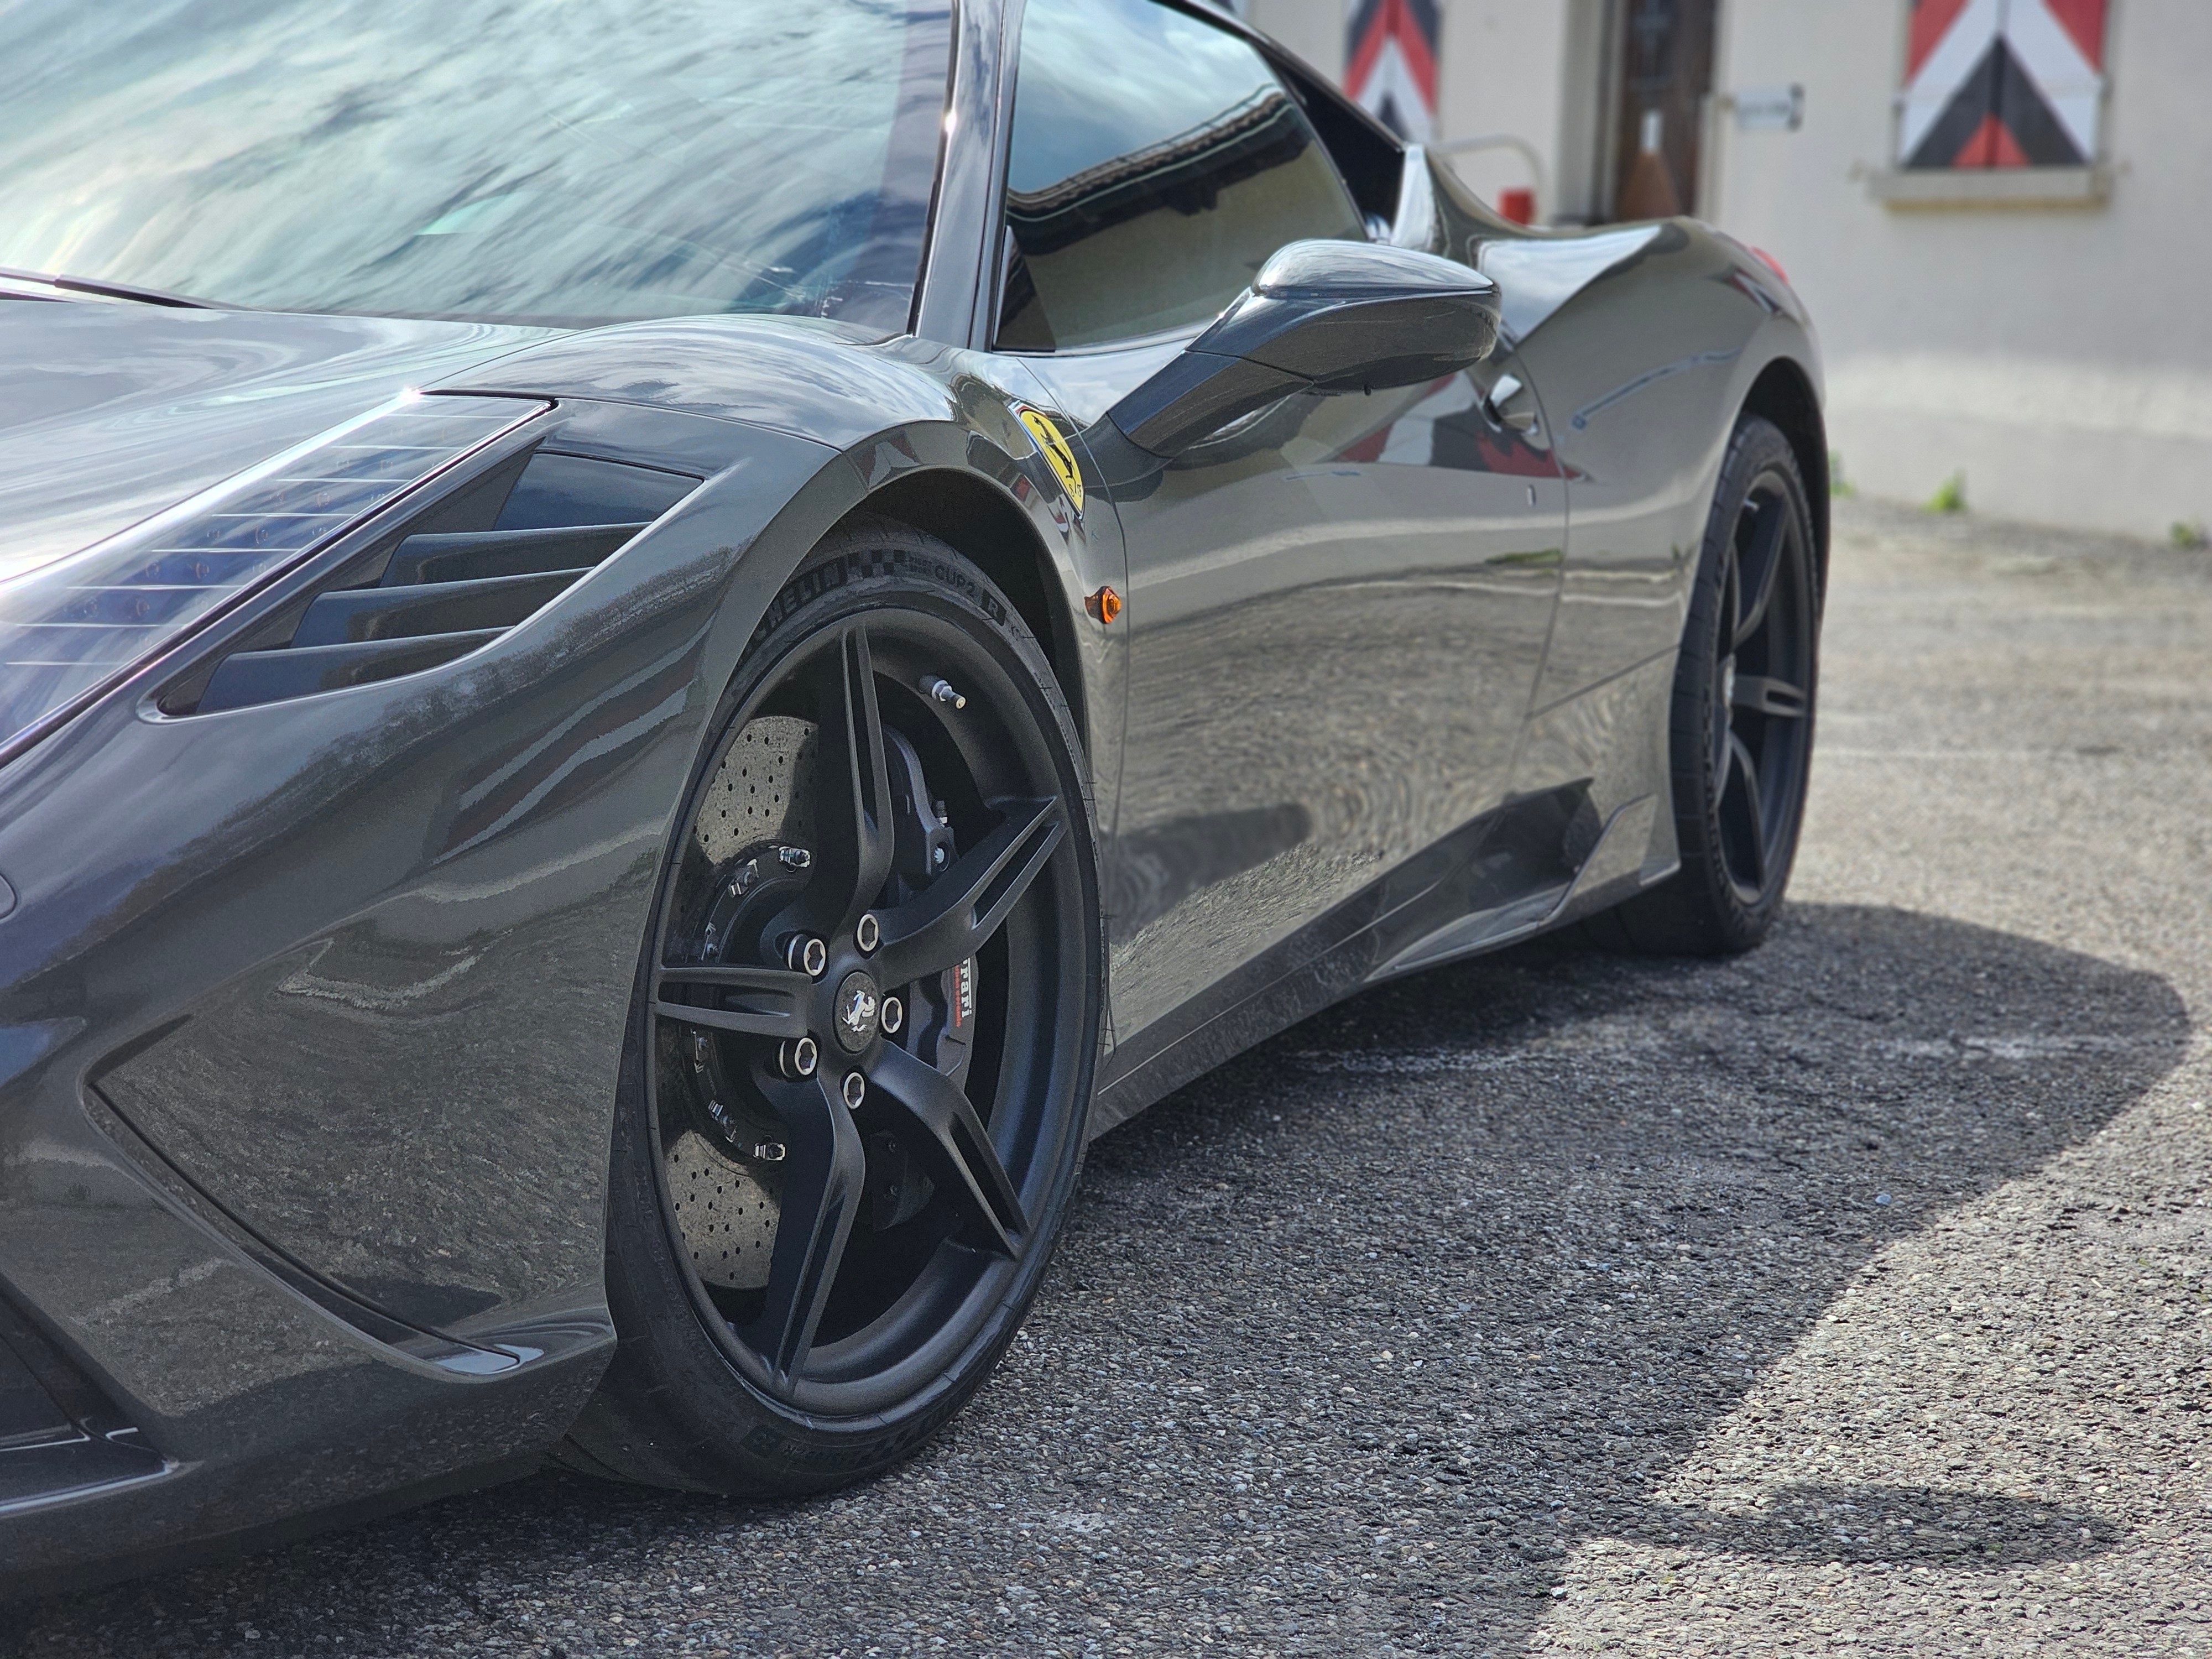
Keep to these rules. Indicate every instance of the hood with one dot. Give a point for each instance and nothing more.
(110, 413)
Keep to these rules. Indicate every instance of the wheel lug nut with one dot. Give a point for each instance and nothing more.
(799, 1057)
(937, 857)
(856, 1089)
(809, 955)
(869, 934)
(893, 1016)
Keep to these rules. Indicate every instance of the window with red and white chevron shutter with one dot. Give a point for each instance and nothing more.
(1391, 63)
(2002, 83)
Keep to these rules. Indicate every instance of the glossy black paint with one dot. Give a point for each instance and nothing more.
(1359, 316)
(309, 1012)
(114, 412)
(1326, 317)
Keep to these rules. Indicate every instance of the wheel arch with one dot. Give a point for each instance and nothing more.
(1783, 394)
(978, 520)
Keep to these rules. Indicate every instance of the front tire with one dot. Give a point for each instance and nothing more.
(853, 1096)
(1740, 726)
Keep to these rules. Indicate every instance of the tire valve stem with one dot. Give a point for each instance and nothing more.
(942, 690)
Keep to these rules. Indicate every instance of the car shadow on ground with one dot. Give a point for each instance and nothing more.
(1352, 1341)
(1595, 1197)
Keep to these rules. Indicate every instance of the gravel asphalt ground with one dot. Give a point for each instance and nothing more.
(1853, 1297)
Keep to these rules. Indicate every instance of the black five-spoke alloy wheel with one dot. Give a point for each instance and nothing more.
(864, 1039)
(1741, 730)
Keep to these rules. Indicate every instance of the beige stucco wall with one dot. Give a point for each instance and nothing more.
(1312, 28)
(1524, 67)
(2060, 358)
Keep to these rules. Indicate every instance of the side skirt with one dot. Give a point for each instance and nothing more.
(1534, 863)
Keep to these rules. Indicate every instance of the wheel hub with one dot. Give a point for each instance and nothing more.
(859, 1009)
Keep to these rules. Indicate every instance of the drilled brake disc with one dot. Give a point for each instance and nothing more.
(726, 1213)
(726, 1202)
(763, 794)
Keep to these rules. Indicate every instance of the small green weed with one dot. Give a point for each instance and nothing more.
(1950, 496)
(2190, 535)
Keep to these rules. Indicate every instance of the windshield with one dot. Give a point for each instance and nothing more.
(522, 160)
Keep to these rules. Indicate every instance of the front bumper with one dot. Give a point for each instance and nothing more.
(310, 1018)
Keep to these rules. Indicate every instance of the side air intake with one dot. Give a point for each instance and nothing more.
(440, 587)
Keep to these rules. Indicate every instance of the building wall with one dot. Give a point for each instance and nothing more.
(1530, 68)
(2059, 358)
(1312, 28)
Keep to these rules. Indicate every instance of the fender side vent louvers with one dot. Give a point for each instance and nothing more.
(463, 572)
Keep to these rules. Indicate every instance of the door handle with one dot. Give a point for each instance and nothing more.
(1508, 386)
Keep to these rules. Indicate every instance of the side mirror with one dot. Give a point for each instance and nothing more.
(1324, 317)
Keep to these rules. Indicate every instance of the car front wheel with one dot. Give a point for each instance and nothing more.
(853, 1104)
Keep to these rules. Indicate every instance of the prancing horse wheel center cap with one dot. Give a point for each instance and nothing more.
(859, 1005)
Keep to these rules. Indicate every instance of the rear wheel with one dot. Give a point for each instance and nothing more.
(1741, 726)
(854, 1101)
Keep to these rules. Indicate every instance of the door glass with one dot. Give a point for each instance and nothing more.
(1156, 163)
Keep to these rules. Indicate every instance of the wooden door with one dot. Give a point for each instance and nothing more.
(1666, 66)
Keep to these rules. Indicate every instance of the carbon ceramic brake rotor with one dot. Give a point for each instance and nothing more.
(727, 1208)
(763, 794)
(726, 1214)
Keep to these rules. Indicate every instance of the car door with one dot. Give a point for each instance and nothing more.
(1336, 607)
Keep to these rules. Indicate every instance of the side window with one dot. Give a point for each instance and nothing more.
(1156, 163)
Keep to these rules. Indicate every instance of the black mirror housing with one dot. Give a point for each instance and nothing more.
(1322, 316)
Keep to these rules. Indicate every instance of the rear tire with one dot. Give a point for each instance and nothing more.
(809, 1275)
(1741, 725)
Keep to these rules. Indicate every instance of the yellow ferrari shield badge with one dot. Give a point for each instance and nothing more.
(1059, 454)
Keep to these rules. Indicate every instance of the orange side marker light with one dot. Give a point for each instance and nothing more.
(1103, 605)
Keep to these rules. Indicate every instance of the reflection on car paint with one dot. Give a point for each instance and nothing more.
(1581, 418)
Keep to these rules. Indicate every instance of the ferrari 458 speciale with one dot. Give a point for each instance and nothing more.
(651, 654)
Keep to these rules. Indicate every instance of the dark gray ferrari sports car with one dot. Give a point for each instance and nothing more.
(651, 654)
